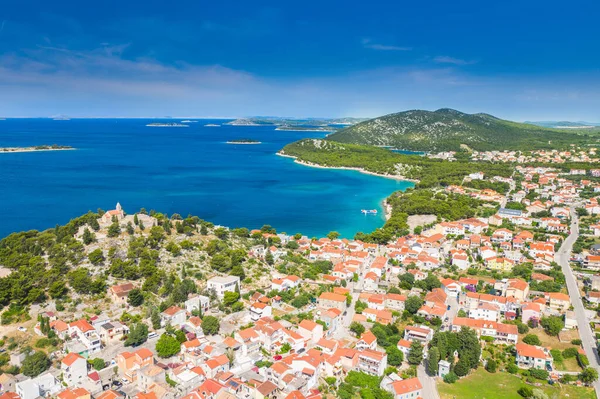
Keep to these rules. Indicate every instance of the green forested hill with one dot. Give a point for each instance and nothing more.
(446, 129)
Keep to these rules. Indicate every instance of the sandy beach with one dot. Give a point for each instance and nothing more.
(312, 165)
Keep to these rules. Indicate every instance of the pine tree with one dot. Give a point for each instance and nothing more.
(114, 230)
(136, 220)
(433, 360)
(155, 318)
(88, 237)
(415, 354)
(94, 224)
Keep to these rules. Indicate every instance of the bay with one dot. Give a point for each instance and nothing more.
(178, 170)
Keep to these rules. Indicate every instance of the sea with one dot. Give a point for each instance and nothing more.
(179, 170)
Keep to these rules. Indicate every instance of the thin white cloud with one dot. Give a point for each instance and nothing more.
(444, 59)
(52, 80)
(367, 43)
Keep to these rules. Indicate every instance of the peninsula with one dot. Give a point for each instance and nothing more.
(306, 128)
(44, 147)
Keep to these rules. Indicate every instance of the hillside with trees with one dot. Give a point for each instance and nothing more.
(447, 129)
(428, 172)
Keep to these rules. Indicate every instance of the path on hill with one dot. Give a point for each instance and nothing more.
(585, 332)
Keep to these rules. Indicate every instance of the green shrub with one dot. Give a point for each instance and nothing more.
(491, 366)
(532, 339)
(556, 355)
(582, 360)
(525, 392)
(450, 378)
(512, 368)
(522, 328)
(570, 352)
(539, 374)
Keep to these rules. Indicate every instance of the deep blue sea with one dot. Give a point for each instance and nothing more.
(178, 170)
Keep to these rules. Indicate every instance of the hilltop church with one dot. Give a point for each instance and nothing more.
(118, 212)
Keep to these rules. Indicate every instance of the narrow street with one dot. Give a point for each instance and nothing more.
(585, 332)
(429, 387)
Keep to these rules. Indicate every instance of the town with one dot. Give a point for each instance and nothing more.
(177, 307)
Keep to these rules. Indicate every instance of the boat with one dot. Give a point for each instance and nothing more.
(212, 125)
(369, 211)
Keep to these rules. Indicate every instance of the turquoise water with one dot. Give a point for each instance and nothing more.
(178, 170)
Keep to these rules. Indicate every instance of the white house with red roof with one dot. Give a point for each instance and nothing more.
(418, 333)
(531, 356)
(395, 302)
(404, 346)
(215, 365)
(259, 310)
(460, 259)
(86, 334)
(367, 341)
(451, 287)
(409, 388)
(372, 362)
(174, 316)
(310, 330)
(74, 369)
(485, 311)
(371, 281)
(502, 333)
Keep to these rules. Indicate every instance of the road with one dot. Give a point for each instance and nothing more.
(585, 332)
(429, 388)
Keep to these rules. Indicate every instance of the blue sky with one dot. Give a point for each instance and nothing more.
(521, 60)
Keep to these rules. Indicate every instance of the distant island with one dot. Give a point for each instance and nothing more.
(244, 141)
(306, 128)
(566, 124)
(157, 124)
(43, 147)
(188, 121)
(249, 122)
(309, 123)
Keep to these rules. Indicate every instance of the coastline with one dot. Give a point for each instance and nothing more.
(306, 130)
(387, 209)
(313, 165)
(12, 150)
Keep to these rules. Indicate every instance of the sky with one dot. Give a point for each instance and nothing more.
(519, 60)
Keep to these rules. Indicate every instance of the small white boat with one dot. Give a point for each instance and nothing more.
(369, 211)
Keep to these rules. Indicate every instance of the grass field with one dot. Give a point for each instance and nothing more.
(547, 340)
(570, 364)
(483, 385)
